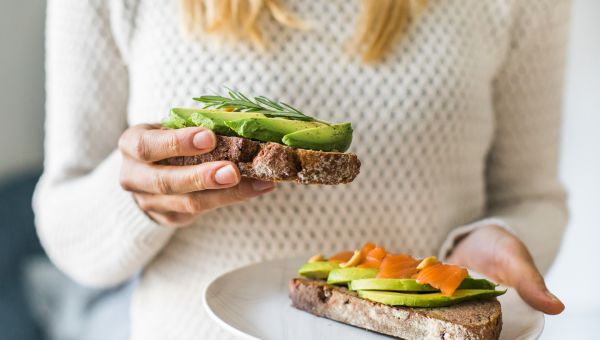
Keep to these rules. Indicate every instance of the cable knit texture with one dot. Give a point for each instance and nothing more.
(457, 125)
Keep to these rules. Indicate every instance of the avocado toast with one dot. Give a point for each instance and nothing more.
(398, 295)
(270, 140)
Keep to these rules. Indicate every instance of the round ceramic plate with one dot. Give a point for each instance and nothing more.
(252, 302)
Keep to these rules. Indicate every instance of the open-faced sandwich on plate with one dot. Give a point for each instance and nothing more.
(270, 140)
(398, 295)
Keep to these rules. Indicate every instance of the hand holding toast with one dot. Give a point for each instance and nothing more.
(177, 195)
(501, 256)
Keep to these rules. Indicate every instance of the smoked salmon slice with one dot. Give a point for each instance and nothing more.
(399, 266)
(343, 256)
(373, 258)
(366, 248)
(445, 277)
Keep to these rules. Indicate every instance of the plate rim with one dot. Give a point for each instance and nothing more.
(212, 314)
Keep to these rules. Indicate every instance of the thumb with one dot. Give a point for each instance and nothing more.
(530, 285)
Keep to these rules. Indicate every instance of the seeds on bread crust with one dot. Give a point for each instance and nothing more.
(316, 258)
(354, 260)
(429, 261)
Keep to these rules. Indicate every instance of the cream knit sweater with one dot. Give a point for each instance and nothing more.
(458, 126)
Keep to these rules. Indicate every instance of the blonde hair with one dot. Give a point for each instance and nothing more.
(380, 25)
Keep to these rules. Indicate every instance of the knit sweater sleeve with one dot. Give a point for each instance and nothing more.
(523, 191)
(90, 227)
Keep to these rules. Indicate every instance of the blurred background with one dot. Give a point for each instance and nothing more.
(572, 278)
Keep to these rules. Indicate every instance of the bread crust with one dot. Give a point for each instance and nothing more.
(481, 319)
(276, 162)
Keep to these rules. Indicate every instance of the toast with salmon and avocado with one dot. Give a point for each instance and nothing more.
(270, 140)
(398, 295)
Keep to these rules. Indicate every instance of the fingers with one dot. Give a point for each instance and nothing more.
(501, 256)
(182, 210)
(521, 273)
(532, 289)
(149, 143)
(169, 180)
(200, 202)
(175, 220)
(175, 195)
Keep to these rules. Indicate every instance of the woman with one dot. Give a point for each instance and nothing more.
(456, 111)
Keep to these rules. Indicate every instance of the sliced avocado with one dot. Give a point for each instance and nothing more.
(177, 120)
(216, 125)
(325, 138)
(411, 285)
(345, 275)
(427, 300)
(471, 283)
(317, 270)
(254, 125)
(216, 114)
(210, 119)
(398, 285)
(268, 129)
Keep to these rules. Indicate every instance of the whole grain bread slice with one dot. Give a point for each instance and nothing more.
(276, 162)
(480, 319)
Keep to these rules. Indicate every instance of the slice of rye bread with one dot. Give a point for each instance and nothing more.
(480, 319)
(276, 162)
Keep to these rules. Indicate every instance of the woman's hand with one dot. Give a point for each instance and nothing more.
(177, 195)
(501, 256)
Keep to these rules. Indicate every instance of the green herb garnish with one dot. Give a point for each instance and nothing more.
(242, 103)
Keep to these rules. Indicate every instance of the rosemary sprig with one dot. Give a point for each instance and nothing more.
(237, 101)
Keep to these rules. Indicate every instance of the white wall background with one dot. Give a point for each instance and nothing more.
(577, 270)
(21, 85)
(577, 267)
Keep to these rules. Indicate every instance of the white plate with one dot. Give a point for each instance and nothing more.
(252, 302)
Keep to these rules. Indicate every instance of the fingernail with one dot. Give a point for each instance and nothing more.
(226, 175)
(258, 185)
(204, 140)
(552, 297)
